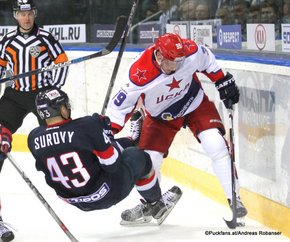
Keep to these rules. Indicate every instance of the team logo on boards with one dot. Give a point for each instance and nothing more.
(34, 51)
(260, 36)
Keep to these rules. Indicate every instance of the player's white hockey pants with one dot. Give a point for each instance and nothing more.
(215, 147)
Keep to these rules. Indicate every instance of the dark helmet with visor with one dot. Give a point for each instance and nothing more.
(48, 103)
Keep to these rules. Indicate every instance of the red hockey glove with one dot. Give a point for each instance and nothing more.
(5, 139)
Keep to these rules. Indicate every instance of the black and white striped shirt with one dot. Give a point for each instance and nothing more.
(26, 52)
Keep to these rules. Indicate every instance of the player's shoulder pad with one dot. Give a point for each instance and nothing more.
(190, 46)
(90, 119)
(143, 70)
(34, 132)
(95, 116)
(31, 133)
(88, 124)
(94, 119)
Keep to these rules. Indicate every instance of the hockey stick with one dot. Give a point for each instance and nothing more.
(120, 27)
(41, 198)
(232, 224)
(119, 57)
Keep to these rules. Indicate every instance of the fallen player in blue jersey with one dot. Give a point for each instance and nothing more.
(90, 169)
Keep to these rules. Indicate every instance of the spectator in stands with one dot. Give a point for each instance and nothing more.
(221, 3)
(257, 2)
(254, 15)
(270, 15)
(186, 10)
(286, 11)
(5, 14)
(169, 9)
(224, 13)
(146, 3)
(150, 10)
(241, 10)
(202, 11)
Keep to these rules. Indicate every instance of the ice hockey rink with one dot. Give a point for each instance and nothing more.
(195, 217)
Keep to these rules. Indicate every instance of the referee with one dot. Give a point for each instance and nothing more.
(24, 49)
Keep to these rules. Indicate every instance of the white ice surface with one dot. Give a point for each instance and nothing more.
(190, 220)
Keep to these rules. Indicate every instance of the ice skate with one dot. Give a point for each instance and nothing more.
(164, 206)
(241, 212)
(136, 123)
(143, 213)
(6, 233)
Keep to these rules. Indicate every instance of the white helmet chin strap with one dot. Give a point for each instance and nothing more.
(158, 61)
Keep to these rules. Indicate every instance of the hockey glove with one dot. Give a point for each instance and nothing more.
(107, 126)
(5, 139)
(228, 90)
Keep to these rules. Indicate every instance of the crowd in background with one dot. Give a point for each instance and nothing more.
(163, 11)
(227, 11)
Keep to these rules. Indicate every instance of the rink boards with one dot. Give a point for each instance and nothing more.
(261, 125)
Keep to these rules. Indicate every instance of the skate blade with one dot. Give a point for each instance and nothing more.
(241, 222)
(141, 221)
(165, 215)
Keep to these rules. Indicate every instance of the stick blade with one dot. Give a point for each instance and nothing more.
(119, 30)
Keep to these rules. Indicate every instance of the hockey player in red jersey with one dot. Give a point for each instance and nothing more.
(165, 77)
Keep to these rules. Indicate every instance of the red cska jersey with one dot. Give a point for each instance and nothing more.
(165, 97)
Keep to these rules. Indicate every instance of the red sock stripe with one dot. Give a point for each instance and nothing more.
(105, 154)
(145, 181)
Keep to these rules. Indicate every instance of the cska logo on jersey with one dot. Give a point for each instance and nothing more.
(34, 51)
(174, 84)
(140, 74)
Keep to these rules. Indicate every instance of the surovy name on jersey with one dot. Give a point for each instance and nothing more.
(54, 138)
